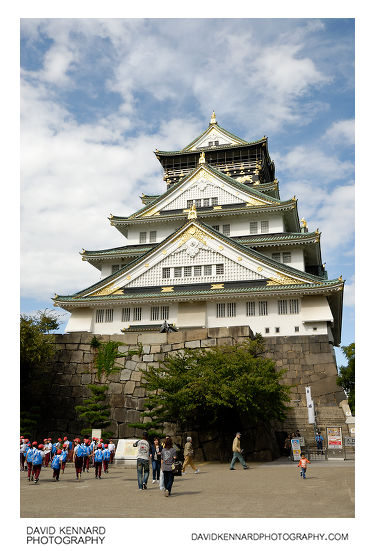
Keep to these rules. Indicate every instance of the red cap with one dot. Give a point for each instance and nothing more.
(101, 440)
(99, 445)
(64, 446)
(106, 445)
(65, 438)
(35, 443)
(59, 440)
(45, 440)
(49, 439)
(40, 446)
(26, 440)
(78, 441)
(58, 452)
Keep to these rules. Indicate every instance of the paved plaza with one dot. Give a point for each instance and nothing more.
(265, 490)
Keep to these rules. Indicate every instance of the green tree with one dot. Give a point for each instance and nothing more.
(346, 378)
(225, 386)
(95, 411)
(37, 348)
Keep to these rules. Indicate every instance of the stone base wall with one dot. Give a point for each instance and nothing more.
(308, 361)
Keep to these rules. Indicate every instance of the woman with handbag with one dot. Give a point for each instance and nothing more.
(156, 449)
(168, 457)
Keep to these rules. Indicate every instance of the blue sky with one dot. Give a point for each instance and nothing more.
(99, 95)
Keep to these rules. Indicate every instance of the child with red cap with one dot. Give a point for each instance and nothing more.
(37, 462)
(106, 458)
(78, 458)
(56, 465)
(29, 459)
(98, 459)
(64, 457)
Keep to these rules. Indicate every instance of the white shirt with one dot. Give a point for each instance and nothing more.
(111, 447)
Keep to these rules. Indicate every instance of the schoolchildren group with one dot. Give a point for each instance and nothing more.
(88, 453)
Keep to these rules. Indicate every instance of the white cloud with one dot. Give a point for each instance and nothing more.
(341, 132)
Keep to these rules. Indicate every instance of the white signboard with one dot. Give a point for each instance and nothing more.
(126, 451)
(296, 449)
(334, 438)
(310, 406)
(96, 433)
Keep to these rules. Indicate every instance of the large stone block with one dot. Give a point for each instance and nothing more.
(125, 374)
(117, 400)
(128, 338)
(224, 341)
(173, 338)
(146, 348)
(166, 347)
(119, 415)
(148, 357)
(240, 331)
(136, 376)
(86, 379)
(76, 356)
(133, 416)
(129, 387)
(155, 348)
(216, 332)
(131, 403)
(195, 334)
(152, 338)
(73, 346)
(115, 388)
(208, 343)
(131, 364)
(192, 344)
(123, 349)
(139, 392)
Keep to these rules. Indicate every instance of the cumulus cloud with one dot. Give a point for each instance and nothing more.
(341, 132)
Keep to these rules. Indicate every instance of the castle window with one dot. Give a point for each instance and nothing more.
(231, 309)
(198, 203)
(226, 229)
(287, 257)
(152, 236)
(253, 227)
(109, 315)
(277, 329)
(216, 228)
(143, 237)
(207, 270)
(214, 201)
(99, 316)
(219, 269)
(197, 270)
(250, 308)
(263, 309)
(294, 306)
(190, 203)
(125, 315)
(154, 313)
(220, 310)
(187, 271)
(296, 329)
(166, 273)
(264, 226)
(276, 256)
(206, 202)
(282, 306)
(115, 268)
(178, 272)
(164, 312)
(266, 329)
(137, 314)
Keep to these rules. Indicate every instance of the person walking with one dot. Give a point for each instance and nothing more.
(78, 458)
(112, 450)
(143, 461)
(29, 459)
(237, 453)
(98, 461)
(156, 459)
(23, 450)
(319, 443)
(106, 458)
(168, 456)
(188, 456)
(37, 462)
(303, 464)
(56, 465)
(64, 457)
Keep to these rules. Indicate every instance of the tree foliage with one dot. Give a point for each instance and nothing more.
(94, 411)
(346, 378)
(217, 385)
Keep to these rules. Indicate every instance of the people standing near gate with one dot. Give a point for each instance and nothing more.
(188, 456)
(37, 462)
(303, 464)
(168, 457)
(156, 459)
(78, 458)
(29, 459)
(319, 443)
(237, 452)
(56, 465)
(143, 461)
(98, 461)
(112, 449)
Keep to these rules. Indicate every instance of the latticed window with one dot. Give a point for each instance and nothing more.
(154, 313)
(282, 306)
(143, 237)
(152, 236)
(287, 257)
(99, 316)
(220, 310)
(226, 229)
(214, 201)
(125, 314)
(187, 271)
(216, 228)
(231, 309)
(190, 203)
(206, 202)
(263, 308)
(115, 268)
(166, 274)
(164, 312)
(250, 308)
(276, 256)
(294, 306)
(198, 203)
(253, 227)
(207, 270)
(219, 269)
(264, 226)
(197, 270)
(137, 314)
(109, 315)
(178, 272)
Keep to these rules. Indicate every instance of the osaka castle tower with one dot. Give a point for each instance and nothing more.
(218, 248)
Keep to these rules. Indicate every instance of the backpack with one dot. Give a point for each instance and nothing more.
(79, 452)
(55, 462)
(98, 456)
(37, 458)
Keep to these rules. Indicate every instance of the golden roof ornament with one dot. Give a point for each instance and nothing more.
(304, 223)
(213, 118)
(192, 214)
(202, 158)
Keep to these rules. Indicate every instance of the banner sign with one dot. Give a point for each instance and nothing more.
(334, 438)
(296, 448)
(310, 406)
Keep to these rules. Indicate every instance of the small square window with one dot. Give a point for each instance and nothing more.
(264, 226)
(277, 329)
(143, 237)
(266, 329)
(115, 268)
(315, 328)
(253, 227)
(208, 270)
(197, 270)
(206, 202)
(276, 256)
(214, 201)
(198, 203)
(226, 229)
(178, 272)
(216, 228)
(219, 269)
(287, 257)
(187, 271)
(189, 203)
(296, 329)
(166, 273)
(152, 236)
